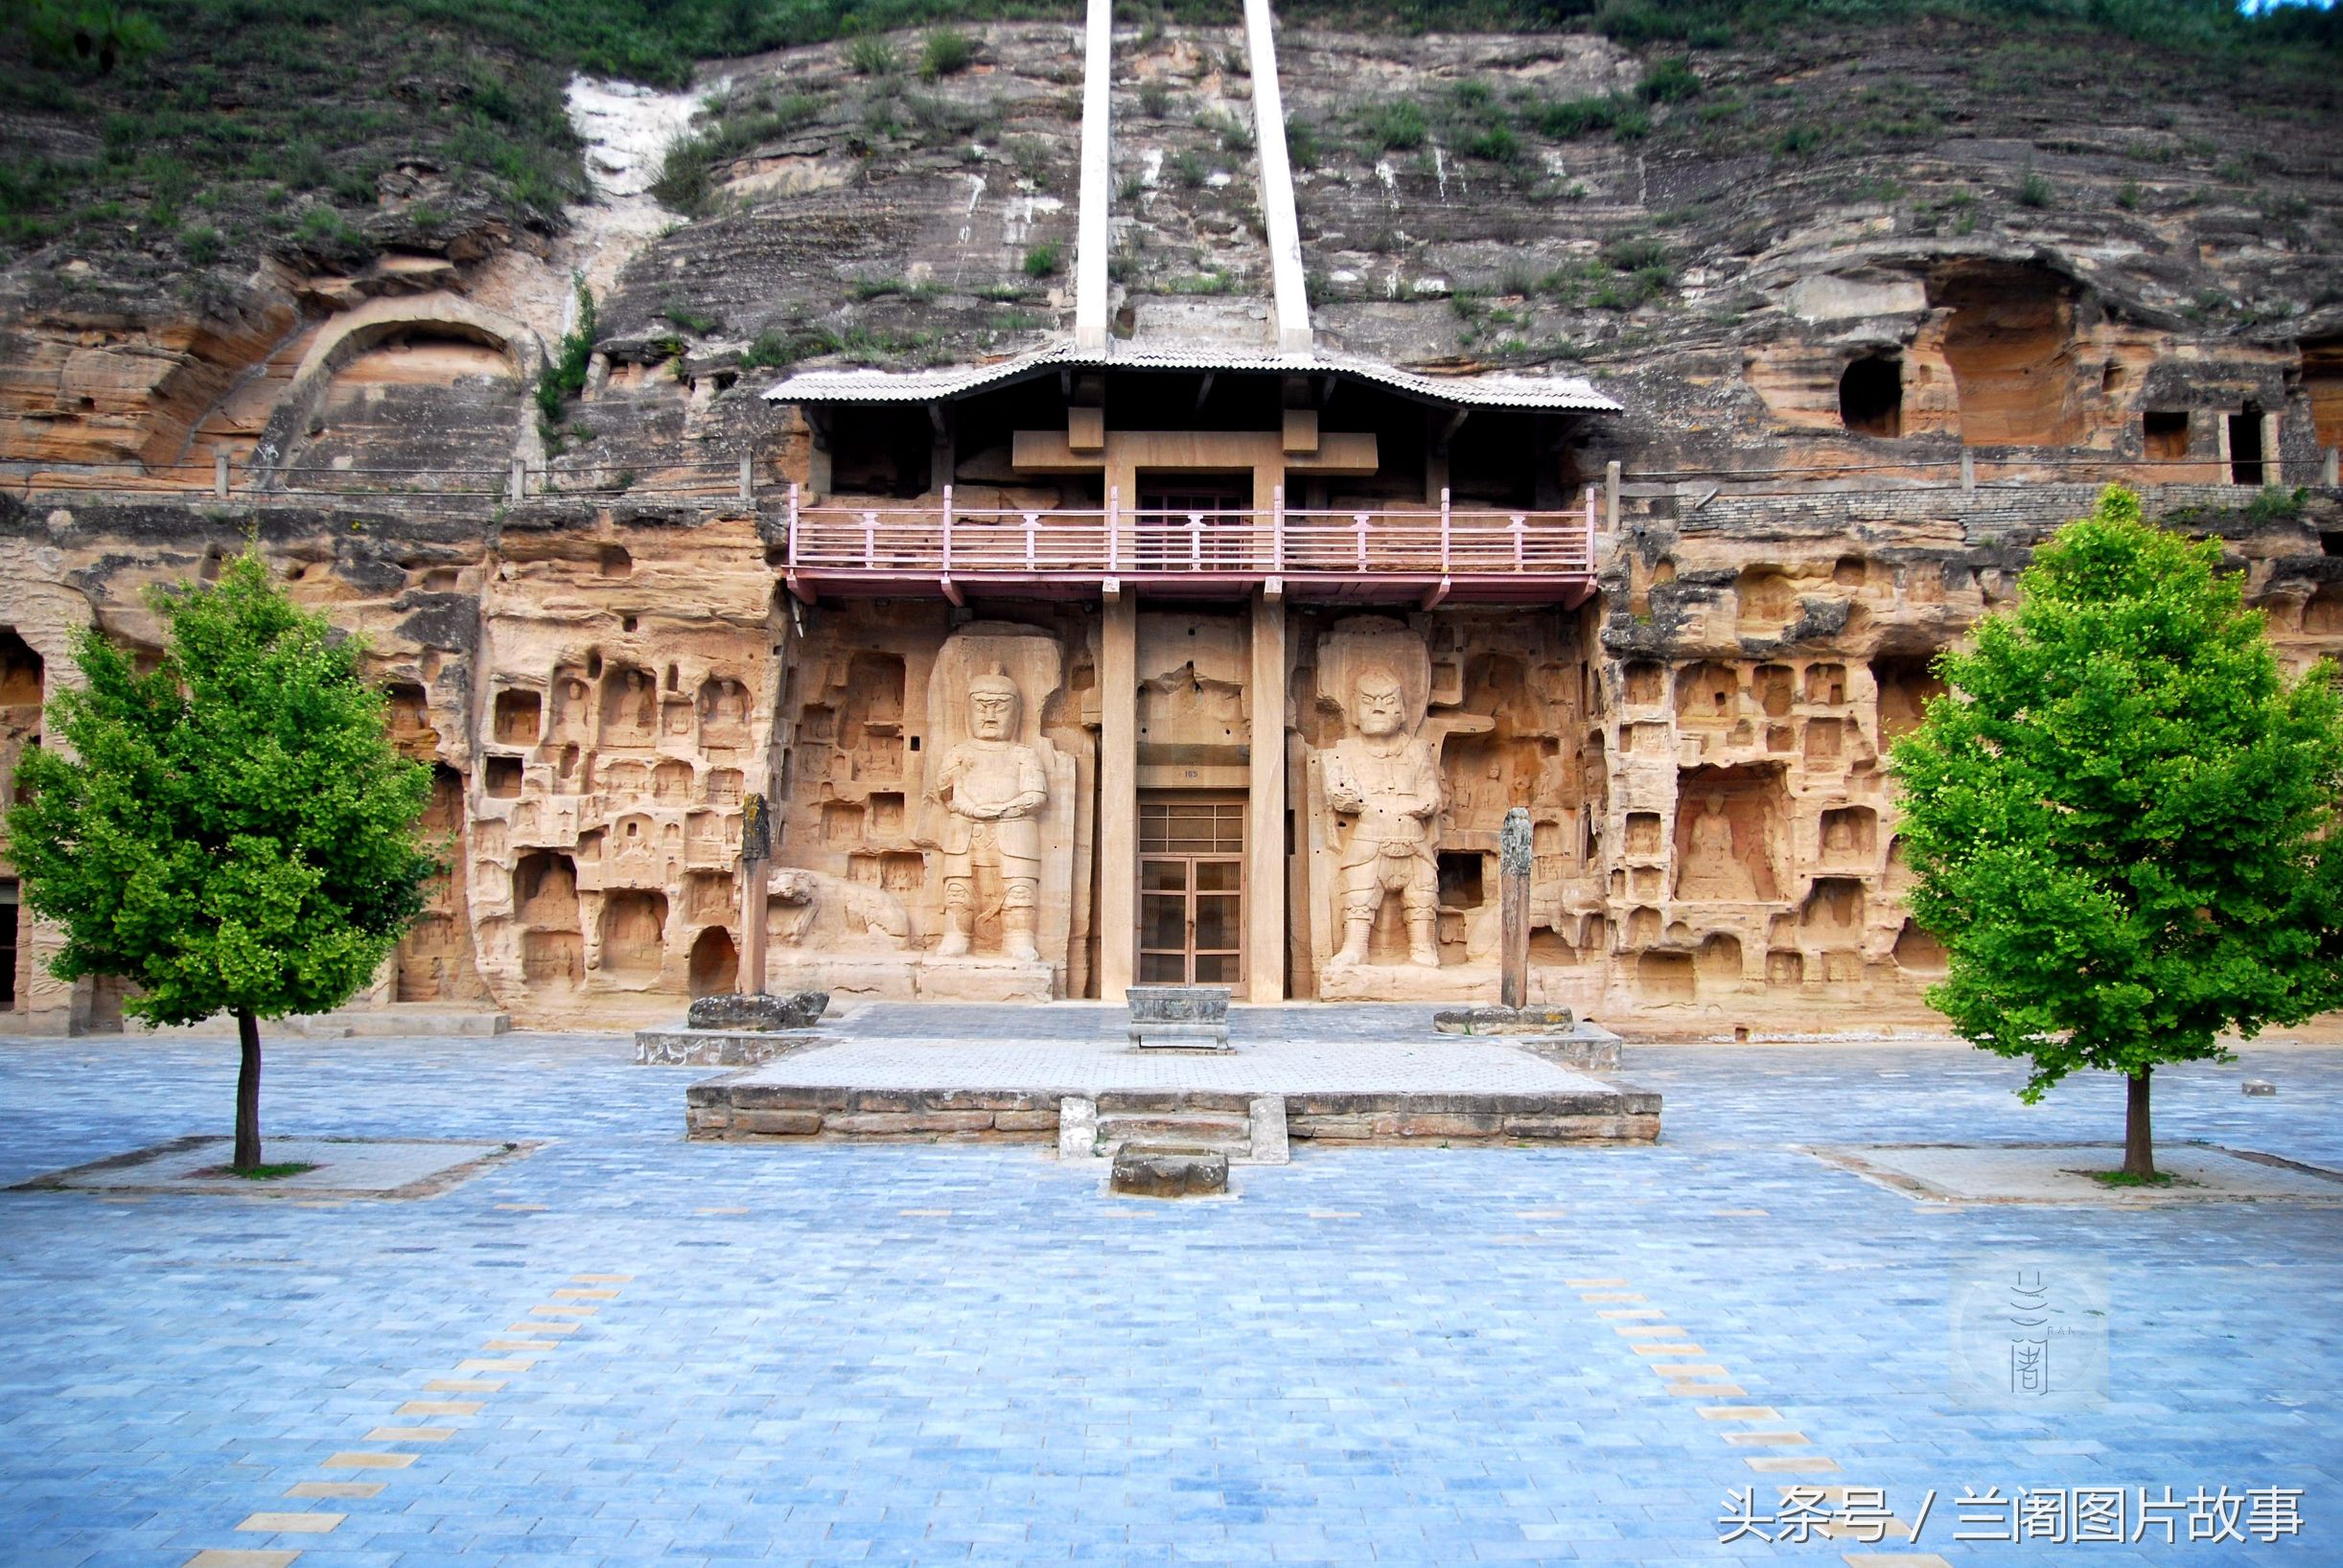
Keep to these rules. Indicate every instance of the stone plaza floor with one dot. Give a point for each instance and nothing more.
(625, 1349)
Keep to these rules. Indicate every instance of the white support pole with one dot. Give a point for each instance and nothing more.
(1092, 226)
(219, 472)
(748, 478)
(1287, 282)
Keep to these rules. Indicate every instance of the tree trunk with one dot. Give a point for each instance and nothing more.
(2139, 1148)
(247, 1092)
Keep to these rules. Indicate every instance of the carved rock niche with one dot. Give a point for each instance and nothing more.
(1644, 682)
(1765, 603)
(633, 934)
(573, 723)
(1905, 687)
(724, 714)
(1850, 838)
(715, 963)
(1708, 693)
(1918, 952)
(630, 707)
(519, 718)
(545, 909)
(1729, 824)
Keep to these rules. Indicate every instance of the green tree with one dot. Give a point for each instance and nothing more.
(2122, 819)
(231, 831)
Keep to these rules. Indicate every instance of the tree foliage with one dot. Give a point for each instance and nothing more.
(232, 830)
(2122, 821)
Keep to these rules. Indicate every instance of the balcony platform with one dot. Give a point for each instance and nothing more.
(1425, 557)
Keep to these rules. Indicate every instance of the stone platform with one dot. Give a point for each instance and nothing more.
(1347, 1074)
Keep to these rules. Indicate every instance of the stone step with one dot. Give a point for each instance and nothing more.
(1250, 1132)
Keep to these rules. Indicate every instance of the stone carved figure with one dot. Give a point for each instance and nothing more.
(993, 788)
(1383, 780)
(807, 905)
(1712, 870)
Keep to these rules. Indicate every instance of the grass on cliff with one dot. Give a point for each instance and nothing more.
(200, 132)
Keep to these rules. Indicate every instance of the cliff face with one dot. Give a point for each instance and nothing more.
(1882, 306)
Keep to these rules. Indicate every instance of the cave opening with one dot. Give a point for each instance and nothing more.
(1872, 396)
(2164, 434)
(2245, 453)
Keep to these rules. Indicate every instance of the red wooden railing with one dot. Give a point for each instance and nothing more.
(844, 547)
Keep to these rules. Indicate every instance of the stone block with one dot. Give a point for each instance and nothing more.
(1078, 1128)
(719, 1048)
(1180, 1017)
(781, 1123)
(1141, 1171)
(906, 1123)
(1501, 1021)
(1025, 1122)
(734, 1010)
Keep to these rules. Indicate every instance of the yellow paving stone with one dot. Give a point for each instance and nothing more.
(1649, 1331)
(1666, 1347)
(1740, 1413)
(1591, 1285)
(472, 1364)
(1769, 1439)
(563, 1311)
(520, 1345)
(1793, 1464)
(231, 1558)
(1541, 1213)
(601, 1278)
(411, 1434)
(439, 1407)
(1696, 1371)
(1626, 1314)
(1893, 1559)
(334, 1488)
(541, 1328)
(369, 1461)
(465, 1385)
(293, 1524)
(566, 1295)
(1705, 1390)
(1610, 1296)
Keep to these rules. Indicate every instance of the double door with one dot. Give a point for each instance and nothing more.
(1191, 889)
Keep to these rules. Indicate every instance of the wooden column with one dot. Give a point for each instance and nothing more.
(1264, 814)
(1514, 857)
(1117, 833)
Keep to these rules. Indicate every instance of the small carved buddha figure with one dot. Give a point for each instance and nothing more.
(1712, 870)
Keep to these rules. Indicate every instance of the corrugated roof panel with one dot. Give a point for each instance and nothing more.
(1573, 394)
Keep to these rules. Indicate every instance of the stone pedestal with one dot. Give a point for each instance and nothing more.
(982, 978)
(1406, 982)
(1180, 1017)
